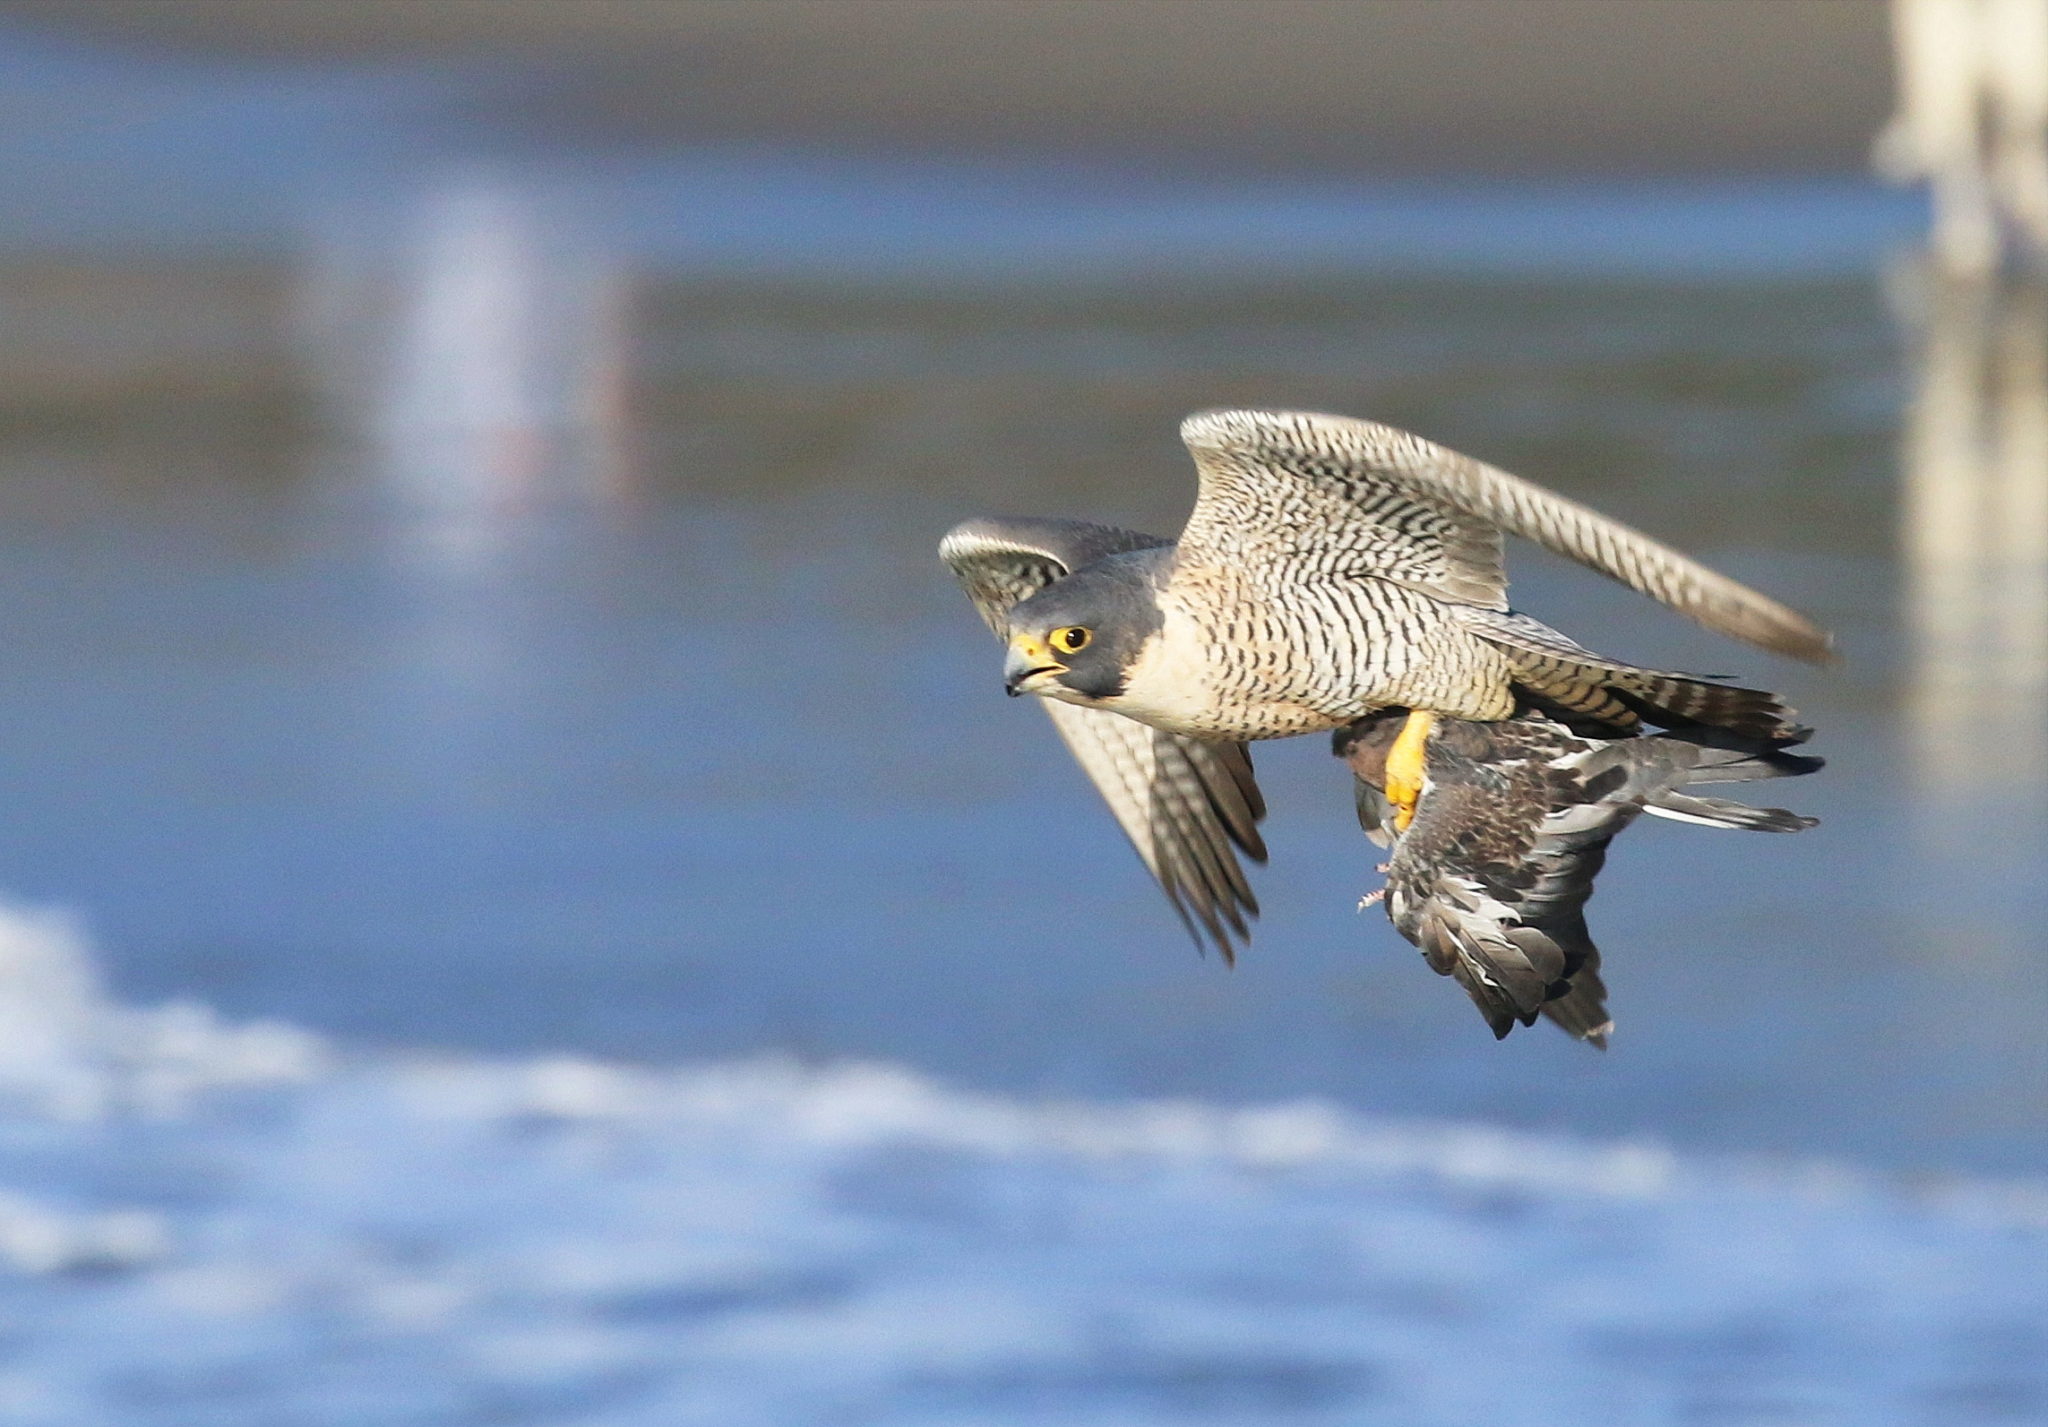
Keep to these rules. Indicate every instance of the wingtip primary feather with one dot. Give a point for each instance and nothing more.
(968, 537)
(984, 535)
(1774, 627)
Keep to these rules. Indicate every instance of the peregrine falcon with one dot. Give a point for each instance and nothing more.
(1330, 568)
(1491, 878)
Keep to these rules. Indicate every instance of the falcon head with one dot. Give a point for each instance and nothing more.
(1076, 639)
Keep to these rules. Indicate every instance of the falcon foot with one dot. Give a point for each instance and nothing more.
(1404, 767)
(1370, 898)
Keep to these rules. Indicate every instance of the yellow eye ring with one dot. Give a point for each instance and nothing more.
(1071, 639)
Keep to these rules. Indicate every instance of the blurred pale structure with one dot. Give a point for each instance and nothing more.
(1973, 122)
(477, 338)
(1975, 529)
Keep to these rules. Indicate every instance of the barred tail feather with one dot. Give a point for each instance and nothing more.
(1558, 675)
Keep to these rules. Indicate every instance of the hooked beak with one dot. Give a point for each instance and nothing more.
(1029, 666)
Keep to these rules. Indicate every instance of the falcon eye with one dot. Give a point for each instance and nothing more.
(1072, 639)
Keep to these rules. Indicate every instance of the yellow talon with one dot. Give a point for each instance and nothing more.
(1404, 767)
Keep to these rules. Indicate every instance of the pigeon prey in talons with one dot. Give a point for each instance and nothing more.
(1490, 878)
(1330, 568)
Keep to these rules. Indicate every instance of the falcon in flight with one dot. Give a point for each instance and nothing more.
(1331, 568)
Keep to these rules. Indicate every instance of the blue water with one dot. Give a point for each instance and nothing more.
(212, 1222)
(128, 151)
(708, 758)
(525, 901)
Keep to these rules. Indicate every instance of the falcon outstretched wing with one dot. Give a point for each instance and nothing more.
(1188, 807)
(1331, 497)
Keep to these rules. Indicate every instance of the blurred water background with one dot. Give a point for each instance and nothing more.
(476, 652)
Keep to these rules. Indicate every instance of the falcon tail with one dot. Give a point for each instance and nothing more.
(1594, 694)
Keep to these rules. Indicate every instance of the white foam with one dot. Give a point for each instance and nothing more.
(213, 1223)
(69, 1052)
